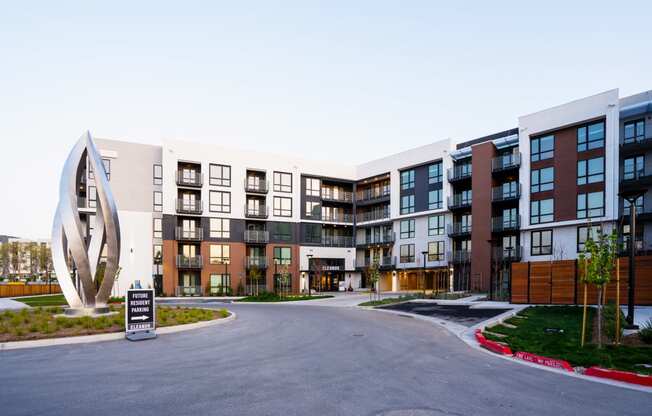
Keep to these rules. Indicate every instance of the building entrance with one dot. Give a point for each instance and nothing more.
(327, 281)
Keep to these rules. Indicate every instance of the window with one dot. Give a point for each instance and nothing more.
(281, 231)
(627, 206)
(282, 182)
(407, 228)
(541, 243)
(434, 199)
(158, 201)
(158, 175)
(583, 234)
(435, 173)
(282, 255)
(407, 253)
(158, 228)
(219, 175)
(407, 179)
(219, 201)
(542, 148)
(219, 228)
(436, 225)
(313, 209)
(542, 180)
(92, 197)
(465, 224)
(436, 251)
(282, 206)
(633, 167)
(541, 211)
(590, 137)
(220, 283)
(634, 131)
(590, 171)
(313, 187)
(407, 204)
(107, 168)
(313, 233)
(220, 254)
(590, 205)
(157, 254)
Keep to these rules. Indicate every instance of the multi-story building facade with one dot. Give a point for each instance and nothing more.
(445, 215)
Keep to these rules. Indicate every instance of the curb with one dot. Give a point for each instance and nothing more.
(622, 376)
(113, 336)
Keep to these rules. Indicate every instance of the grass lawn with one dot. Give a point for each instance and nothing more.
(273, 297)
(40, 322)
(530, 336)
(49, 300)
(389, 301)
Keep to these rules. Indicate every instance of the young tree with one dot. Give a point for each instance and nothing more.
(33, 254)
(5, 262)
(45, 262)
(373, 274)
(284, 279)
(599, 257)
(254, 277)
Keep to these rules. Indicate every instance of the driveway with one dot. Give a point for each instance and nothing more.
(297, 360)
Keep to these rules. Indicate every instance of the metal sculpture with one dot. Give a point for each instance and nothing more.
(70, 248)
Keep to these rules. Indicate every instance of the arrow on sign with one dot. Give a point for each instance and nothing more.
(139, 318)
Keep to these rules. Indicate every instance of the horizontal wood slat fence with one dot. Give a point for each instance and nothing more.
(9, 291)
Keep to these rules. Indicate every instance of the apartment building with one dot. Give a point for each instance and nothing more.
(24, 257)
(204, 219)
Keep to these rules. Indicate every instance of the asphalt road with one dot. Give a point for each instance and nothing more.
(296, 360)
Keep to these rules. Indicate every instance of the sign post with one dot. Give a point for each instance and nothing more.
(140, 317)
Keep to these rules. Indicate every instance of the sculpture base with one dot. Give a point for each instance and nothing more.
(92, 312)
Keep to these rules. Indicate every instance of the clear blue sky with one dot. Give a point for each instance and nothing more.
(347, 81)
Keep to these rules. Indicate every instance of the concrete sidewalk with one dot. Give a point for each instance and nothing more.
(11, 304)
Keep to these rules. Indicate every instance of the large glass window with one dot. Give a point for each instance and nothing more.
(313, 187)
(541, 243)
(407, 204)
(435, 173)
(436, 251)
(407, 228)
(219, 175)
(633, 167)
(542, 180)
(282, 206)
(542, 148)
(220, 228)
(436, 224)
(313, 209)
(157, 254)
(590, 136)
(220, 283)
(541, 211)
(434, 199)
(282, 182)
(634, 131)
(219, 201)
(158, 228)
(590, 171)
(627, 206)
(220, 254)
(407, 179)
(407, 253)
(158, 201)
(282, 255)
(590, 205)
(583, 234)
(158, 175)
(92, 197)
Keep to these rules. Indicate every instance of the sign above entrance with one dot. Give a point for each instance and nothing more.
(140, 316)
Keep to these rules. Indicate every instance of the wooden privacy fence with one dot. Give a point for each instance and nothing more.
(12, 290)
(559, 282)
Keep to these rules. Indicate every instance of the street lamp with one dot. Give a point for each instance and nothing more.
(424, 271)
(309, 256)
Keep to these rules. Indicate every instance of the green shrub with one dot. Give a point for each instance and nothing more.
(646, 332)
(224, 313)
(609, 315)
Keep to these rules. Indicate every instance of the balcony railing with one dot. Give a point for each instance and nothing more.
(372, 216)
(81, 202)
(185, 206)
(196, 234)
(257, 187)
(457, 173)
(458, 229)
(195, 179)
(337, 196)
(331, 241)
(636, 175)
(387, 261)
(256, 236)
(188, 291)
(256, 261)
(189, 262)
(459, 201)
(500, 193)
(637, 140)
(459, 256)
(507, 253)
(366, 195)
(499, 224)
(383, 238)
(337, 217)
(509, 161)
(260, 211)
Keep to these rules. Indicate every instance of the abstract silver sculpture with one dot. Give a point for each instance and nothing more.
(68, 234)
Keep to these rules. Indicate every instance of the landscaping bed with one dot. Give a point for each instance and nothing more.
(555, 332)
(389, 301)
(40, 322)
(273, 297)
(54, 300)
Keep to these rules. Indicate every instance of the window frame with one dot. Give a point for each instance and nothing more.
(438, 204)
(157, 207)
(282, 260)
(219, 180)
(636, 137)
(537, 186)
(310, 191)
(409, 183)
(411, 228)
(440, 220)
(539, 155)
(410, 257)
(409, 209)
(588, 177)
(157, 232)
(587, 209)
(438, 255)
(221, 259)
(585, 227)
(280, 212)
(219, 232)
(538, 203)
(219, 207)
(157, 180)
(584, 142)
(279, 186)
(436, 172)
(540, 246)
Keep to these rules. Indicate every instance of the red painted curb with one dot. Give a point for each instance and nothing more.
(624, 376)
(492, 345)
(545, 361)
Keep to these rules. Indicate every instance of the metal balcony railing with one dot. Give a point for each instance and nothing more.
(186, 206)
(505, 193)
(189, 234)
(189, 262)
(256, 261)
(372, 215)
(337, 217)
(188, 291)
(460, 172)
(387, 261)
(499, 224)
(260, 211)
(192, 178)
(458, 229)
(371, 194)
(382, 238)
(507, 253)
(509, 161)
(459, 256)
(636, 175)
(256, 186)
(337, 241)
(256, 236)
(459, 201)
(328, 194)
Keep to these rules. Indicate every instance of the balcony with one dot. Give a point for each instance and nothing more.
(256, 236)
(507, 253)
(372, 195)
(191, 179)
(188, 291)
(331, 241)
(376, 240)
(458, 201)
(256, 187)
(189, 262)
(459, 256)
(501, 224)
(635, 145)
(383, 262)
(506, 162)
(459, 173)
(502, 193)
(336, 196)
(189, 206)
(635, 180)
(260, 211)
(459, 230)
(376, 215)
(196, 234)
(81, 202)
(337, 217)
(259, 262)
